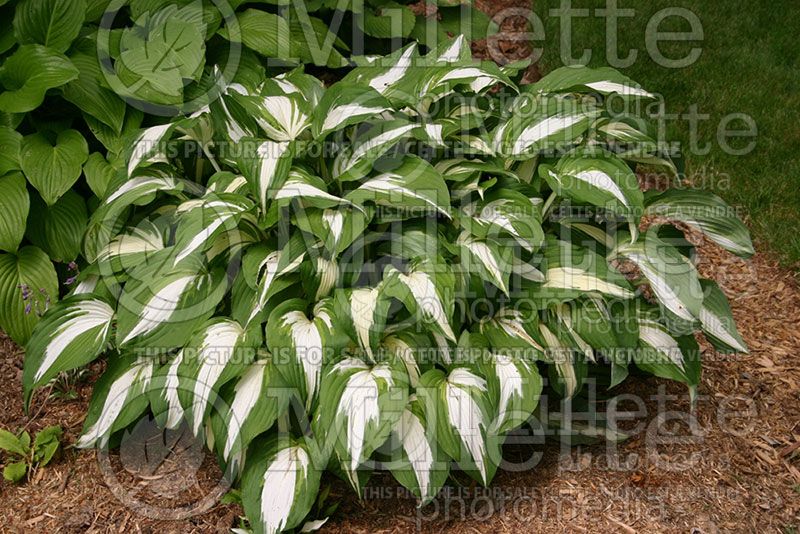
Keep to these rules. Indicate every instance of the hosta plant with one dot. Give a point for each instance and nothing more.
(384, 273)
(78, 78)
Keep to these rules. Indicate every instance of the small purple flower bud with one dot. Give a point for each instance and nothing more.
(71, 280)
(28, 309)
(72, 266)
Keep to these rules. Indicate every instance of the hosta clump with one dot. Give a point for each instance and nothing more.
(384, 273)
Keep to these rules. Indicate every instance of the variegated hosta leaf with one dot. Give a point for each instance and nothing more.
(344, 104)
(119, 398)
(515, 383)
(279, 485)
(571, 271)
(160, 310)
(298, 82)
(132, 248)
(337, 229)
(164, 402)
(419, 464)
(559, 124)
(410, 348)
(253, 403)
(217, 353)
(577, 78)
(282, 117)
(478, 77)
(486, 259)
(226, 182)
(705, 212)
(505, 212)
(266, 165)
(565, 359)
(72, 333)
(320, 276)
(671, 276)
(148, 146)
(296, 343)
(414, 185)
(202, 221)
(359, 406)
(459, 405)
(667, 356)
(274, 265)
(103, 223)
(355, 162)
(362, 313)
(427, 289)
(455, 51)
(309, 189)
(461, 169)
(510, 328)
(599, 178)
(392, 75)
(717, 321)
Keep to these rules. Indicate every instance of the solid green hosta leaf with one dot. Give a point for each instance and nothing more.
(344, 104)
(571, 271)
(419, 464)
(266, 166)
(297, 342)
(358, 406)
(505, 211)
(459, 404)
(413, 184)
(273, 265)
(671, 275)
(356, 162)
(52, 23)
(604, 80)
(204, 220)
(716, 319)
(362, 313)
(14, 206)
(157, 57)
(553, 125)
(486, 259)
(705, 212)
(426, 288)
(313, 42)
(119, 398)
(599, 178)
(71, 334)
(510, 328)
(279, 485)
(90, 96)
(29, 73)
(218, 352)
(161, 309)
(58, 229)
(389, 20)
(263, 32)
(53, 168)
(515, 383)
(668, 356)
(256, 400)
(98, 173)
(28, 272)
(10, 141)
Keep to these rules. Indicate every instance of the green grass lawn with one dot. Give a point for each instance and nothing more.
(749, 64)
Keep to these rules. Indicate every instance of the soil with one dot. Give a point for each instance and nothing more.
(731, 464)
